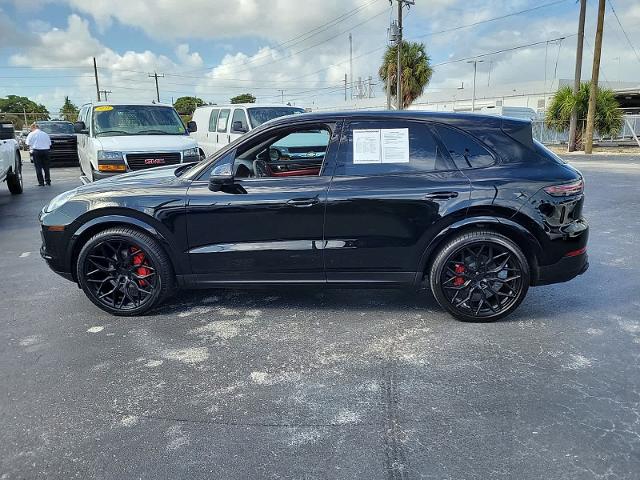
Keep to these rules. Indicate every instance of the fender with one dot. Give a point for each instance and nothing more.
(115, 219)
(529, 243)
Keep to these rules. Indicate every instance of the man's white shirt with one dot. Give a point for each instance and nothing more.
(38, 140)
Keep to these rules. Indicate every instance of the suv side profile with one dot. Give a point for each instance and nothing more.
(469, 205)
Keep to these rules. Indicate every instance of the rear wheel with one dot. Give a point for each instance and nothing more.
(14, 179)
(124, 271)
(480, 276)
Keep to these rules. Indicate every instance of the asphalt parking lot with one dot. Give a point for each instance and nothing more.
(361, 384)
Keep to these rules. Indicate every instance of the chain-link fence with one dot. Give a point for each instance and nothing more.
(548, 136)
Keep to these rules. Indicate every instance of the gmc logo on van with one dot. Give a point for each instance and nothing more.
(153, 161)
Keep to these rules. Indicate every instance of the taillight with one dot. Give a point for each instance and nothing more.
(565, 189)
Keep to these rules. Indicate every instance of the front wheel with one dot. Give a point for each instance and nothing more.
(480, 276)
(124, 272)
(14, 179)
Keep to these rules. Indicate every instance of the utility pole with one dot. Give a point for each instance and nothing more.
(345, 87)
(475, 71)
(573, 124)
(401, 3)
(24, 112)
(351, 63)
(155, 75)
(95, 73)
(106, 94)
(282, 96)
(588, 142)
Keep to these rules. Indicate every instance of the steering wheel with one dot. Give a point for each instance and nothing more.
(261, 169)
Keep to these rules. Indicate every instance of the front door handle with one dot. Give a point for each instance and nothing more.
(303, 202)
(440, 195)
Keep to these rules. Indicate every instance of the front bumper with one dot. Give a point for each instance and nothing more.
(52, 265)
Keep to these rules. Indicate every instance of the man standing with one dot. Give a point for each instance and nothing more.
(39, 143)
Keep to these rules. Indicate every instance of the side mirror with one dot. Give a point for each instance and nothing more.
(218, 182)
(238, 127)
(192, 126)
(80, 127)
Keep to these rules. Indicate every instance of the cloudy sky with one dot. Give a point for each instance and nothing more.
(216, 49)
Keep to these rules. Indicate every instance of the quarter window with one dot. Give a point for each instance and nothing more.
(213, 120)
(223, 120)
(424, 152)
(466, 151)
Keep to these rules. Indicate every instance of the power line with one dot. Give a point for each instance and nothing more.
(623, 30)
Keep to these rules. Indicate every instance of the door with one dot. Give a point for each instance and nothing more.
(210, 135)
(239, 124)
(389, 191)
(267, 226)
(222, 135)
(84, 151)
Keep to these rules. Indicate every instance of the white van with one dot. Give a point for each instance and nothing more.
(115, 138)
(219, 125)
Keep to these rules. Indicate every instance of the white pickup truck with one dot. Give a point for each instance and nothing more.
(10, 161)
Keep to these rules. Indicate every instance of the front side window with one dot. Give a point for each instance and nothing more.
(466, 151)
(389, 147)
(213, 120)
(121, 120)
(296, 153)
(239, 122)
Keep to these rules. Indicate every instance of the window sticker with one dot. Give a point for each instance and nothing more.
(395, 145)
(366, 146)
(103, 108)
(387, 145)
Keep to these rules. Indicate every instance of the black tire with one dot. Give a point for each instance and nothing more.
(14, 179)
(488, 268)
(97, 274)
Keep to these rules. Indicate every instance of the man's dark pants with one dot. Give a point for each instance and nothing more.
(41, 162)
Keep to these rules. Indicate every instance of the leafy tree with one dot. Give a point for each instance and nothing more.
(13, 108)
(186, 105)
(416, 70)
(243, 98)
(608, 119)
(69, 111)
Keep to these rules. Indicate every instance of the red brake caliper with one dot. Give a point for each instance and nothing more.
(459, 281)
(138, 261)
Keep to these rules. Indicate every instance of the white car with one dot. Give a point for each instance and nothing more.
(115, 138)
(10, 161)
(215, 126)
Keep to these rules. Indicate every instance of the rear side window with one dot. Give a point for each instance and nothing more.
(222, 121)
(424, 152)
(466, 151)
(213, 120)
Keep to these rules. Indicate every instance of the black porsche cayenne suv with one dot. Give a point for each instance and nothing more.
(470, 205)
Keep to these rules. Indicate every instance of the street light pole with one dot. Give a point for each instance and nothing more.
(475, 71)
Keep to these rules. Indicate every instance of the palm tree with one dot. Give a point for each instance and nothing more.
(416, 71)
(608, 119)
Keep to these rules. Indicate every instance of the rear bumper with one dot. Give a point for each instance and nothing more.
(563, 271)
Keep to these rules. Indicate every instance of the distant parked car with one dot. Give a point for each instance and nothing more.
(219, 125)
(470, 205)
(64, 143)
(10, 161)
(115, 138)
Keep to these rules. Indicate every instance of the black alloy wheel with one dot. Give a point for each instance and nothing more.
(124, 272)
(480, 276)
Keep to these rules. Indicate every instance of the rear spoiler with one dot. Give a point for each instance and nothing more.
(520, 130)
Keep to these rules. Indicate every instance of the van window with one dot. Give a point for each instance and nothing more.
(425, 154)
(239, 120)
(213, 120)
(223, 120)
(466, 151)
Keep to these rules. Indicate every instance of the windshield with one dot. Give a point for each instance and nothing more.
(136, 120)
(259, 115)
(56, 127)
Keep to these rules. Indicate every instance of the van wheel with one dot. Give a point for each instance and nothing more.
(480, 276)
(124, 272)
(14, 179)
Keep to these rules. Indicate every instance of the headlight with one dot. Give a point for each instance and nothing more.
(191, 152)
(60, 200)
(108, 156)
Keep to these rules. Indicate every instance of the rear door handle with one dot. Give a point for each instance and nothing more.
(440, 195)
(303, 202)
